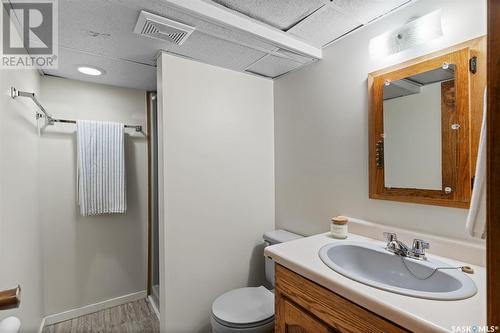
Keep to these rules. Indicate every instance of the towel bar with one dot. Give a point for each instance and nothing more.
(51, 120)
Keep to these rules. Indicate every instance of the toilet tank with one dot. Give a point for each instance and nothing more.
(276, 237)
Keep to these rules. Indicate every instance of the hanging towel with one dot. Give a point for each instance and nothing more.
(476, 220)
(101, 168)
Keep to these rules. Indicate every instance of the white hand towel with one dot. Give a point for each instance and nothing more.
(101, 168)
(476, 220)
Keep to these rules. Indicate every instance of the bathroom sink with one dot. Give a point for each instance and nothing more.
(372, 265)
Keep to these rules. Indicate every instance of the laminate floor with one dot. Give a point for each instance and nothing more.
(132, 317)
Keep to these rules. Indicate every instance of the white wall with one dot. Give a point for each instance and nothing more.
(218, 186)
(322, 129)
(20, 244)
(412, 140)
(90, 259)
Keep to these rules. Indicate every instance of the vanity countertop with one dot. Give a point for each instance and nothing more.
(415, 314)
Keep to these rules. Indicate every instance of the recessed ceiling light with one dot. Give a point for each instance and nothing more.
(90, 70)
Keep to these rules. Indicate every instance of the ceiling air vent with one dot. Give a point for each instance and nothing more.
(154, 26)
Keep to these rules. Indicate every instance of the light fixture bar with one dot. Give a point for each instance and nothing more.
(413, 33)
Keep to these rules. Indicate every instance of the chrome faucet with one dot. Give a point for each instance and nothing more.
(399, 248)
(418, 248)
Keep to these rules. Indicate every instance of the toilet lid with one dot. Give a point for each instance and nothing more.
(244, 306)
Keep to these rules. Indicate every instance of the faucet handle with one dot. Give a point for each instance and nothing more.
(390, 236)
(419, 247)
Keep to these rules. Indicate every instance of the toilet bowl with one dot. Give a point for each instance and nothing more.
(250, 309)
(244, 310)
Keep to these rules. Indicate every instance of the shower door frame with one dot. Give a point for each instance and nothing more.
(149, 96)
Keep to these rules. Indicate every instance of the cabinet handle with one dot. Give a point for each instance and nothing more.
(10, 299)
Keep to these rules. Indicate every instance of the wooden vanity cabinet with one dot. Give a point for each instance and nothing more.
(303, 306)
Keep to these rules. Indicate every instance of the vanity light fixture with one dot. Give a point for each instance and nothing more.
(415, 32)
(90, 70)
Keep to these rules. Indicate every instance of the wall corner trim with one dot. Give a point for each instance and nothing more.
(92, 308)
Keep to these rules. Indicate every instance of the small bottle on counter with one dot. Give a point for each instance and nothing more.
(338, 227)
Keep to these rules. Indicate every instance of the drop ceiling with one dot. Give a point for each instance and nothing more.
(263, 37)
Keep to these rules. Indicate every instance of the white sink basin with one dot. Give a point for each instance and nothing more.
(374, 266)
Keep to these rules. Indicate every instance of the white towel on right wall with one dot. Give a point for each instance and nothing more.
(476, 220)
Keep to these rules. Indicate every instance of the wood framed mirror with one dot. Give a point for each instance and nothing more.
(424, 124)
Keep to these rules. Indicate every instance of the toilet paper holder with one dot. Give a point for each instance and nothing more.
(10, 298)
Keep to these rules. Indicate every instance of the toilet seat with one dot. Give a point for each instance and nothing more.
(244, 308)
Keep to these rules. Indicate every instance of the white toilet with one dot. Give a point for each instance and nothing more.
(249, 310)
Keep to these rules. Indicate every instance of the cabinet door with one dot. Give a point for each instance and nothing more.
(304, 306)
(297, 320)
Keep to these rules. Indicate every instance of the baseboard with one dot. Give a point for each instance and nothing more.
(88, 309)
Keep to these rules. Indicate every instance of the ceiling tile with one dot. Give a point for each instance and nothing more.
(216, 51)
(104, 28)
(118, 72)
(281, 14)
(366, 10)
(324, 25)
(273, 66)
